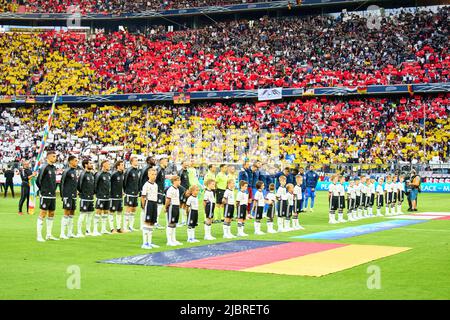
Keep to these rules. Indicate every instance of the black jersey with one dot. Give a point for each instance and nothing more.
(144, 176)
(46, 181)
(68, 185)
(86, 185)
(131, 181)
(103, 185)
(116, 185)
(161, 179)
(25, 176)
(184, 179)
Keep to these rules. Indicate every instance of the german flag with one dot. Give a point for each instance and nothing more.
(410, 89)
(361, 89)
(181, 98)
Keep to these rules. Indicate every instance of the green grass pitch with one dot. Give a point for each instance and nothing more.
(32, 270)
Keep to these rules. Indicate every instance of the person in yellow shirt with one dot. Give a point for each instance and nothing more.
(221, 185)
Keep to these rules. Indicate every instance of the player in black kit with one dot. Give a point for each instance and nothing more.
(85, 186)
(116, 196)
(103, 193)
(68, 188)
(46, 182)
(131, 179)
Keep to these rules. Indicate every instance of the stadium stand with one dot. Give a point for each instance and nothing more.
(110, 6)
(319, 130)
(315, 51)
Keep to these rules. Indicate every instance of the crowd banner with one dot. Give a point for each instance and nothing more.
(270, 94)
(425, 187)
(261, 94)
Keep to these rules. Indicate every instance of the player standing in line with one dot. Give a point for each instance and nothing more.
(290, 209)
(228, 201)
(388, 191)
(357, 211)
(221, 185)
(68, 189)
(209, 200)
(362, 204)
(258, 206)
(160, 181)
(131, 189)
(143, 178)
(394, 195)
(46, 182)
(351, 200)
(116, 197)
(271, 199)
(372, 195)
(298, 200)
(86, 188)
(379, 191)
(333, 198)
(149, 201)
(103, 193)
(401, 193)
(184, 187)
(173, 211)
(241, 205)
(282, 203)
(192, 212)
(341, 201)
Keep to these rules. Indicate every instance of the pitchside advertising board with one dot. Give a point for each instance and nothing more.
(426, 187)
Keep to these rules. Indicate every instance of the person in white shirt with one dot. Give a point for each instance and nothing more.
(282, 203)
(380, 196)
(371, 195)
(401, 193)
(351, 201)
(241, 205)
(209, 200)
(149, 201)
(358, 198)
(388, 194)
(297, 202)
(290, 210)
(192, 212)
(258, 206)
(173, 211)
(341, 200)
(228, 201)
(394, 195)
(271, 199)
(333, 198)
(363, 205)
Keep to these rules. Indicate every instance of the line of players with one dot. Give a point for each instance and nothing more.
(361, 194)
(288, 197)
(109, 188)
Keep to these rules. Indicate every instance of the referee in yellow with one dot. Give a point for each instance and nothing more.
(221, 184)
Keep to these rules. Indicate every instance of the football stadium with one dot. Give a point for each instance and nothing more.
(230, 150)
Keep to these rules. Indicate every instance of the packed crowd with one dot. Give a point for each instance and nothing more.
(110, 6)
(319, 130)
(27, 68)
(301, 52)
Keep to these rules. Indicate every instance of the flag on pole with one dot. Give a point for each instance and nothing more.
(39, 156)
